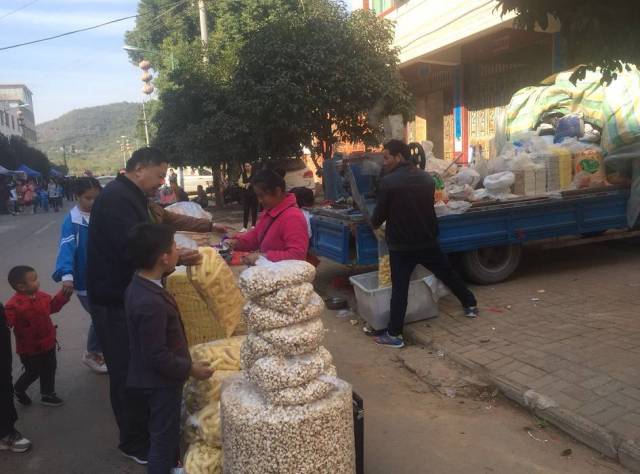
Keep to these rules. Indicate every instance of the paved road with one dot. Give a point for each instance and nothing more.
(409, 429)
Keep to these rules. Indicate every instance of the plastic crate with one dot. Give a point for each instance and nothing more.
(373, 302)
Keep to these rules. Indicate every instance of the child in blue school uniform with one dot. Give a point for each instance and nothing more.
(71, 264)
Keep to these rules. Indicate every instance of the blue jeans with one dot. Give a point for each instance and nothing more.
(93, 345)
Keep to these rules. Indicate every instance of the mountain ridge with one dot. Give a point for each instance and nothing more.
(90, 136)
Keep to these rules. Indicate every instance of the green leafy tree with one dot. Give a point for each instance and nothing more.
(318, 78)
(14, 151)
(598, 34)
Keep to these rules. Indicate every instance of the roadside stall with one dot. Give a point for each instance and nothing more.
(274, 402)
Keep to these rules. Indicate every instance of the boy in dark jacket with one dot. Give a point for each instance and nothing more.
(10, 438)
(29, 313)
(160, 362)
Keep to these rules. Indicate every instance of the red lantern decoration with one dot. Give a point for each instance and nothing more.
(148, 89)
(146, 77)
(145, 65)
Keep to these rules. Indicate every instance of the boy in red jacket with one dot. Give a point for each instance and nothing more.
(29, 313)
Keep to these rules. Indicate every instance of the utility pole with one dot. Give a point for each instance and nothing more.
(146, 126)
(215, 169)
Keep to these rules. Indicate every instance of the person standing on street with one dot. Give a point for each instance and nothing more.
(10, 438)
(29, 314)
(160, 360)
(249, 199)
(121, 205)
(71, 264)
(405, 202)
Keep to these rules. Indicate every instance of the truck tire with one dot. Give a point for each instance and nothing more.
(491, 265)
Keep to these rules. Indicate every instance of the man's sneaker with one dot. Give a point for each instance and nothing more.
(94, 363)
(369, 331)
(23, 399)
(471, 312)
(52, 400)
(387, 339)
(142, 460)
(243, 230)
(15, 442)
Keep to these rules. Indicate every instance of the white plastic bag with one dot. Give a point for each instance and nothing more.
(499, 184)
(466, 176)
(190, 209)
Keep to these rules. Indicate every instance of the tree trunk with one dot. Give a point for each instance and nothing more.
(217, 186)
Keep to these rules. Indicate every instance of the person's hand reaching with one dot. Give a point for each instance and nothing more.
(189, 257)
(67, 288)
(200, 371)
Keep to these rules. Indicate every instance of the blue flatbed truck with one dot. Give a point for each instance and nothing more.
(488, 238)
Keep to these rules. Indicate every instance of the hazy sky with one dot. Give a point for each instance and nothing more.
(81, 70)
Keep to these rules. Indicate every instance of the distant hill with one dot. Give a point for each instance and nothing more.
(93, 133)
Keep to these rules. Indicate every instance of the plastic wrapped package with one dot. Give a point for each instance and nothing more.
(279, 372)
(457, 192)
(184, 242)
(297, 338)
(291, 299)
(466, 176)
(203, 459)
(190, 209)
(259, 318)
(199, 326)
(260, 280)
(565, 165)
(216, 284)
(261, 438)
(440, 167)
(589, 168)
(223, 354)
(499, 184)
(384, 271)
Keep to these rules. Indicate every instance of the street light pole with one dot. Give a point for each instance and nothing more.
(146, 126)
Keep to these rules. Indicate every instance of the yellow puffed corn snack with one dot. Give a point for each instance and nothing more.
(202, 459)
(215, 282)
(384, 272)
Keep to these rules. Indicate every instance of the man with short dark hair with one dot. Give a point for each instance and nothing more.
(119, 207)
(405, 202)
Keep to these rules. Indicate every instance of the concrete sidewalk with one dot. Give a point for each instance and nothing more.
(562, 337)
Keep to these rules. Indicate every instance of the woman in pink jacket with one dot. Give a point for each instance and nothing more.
(281, 231)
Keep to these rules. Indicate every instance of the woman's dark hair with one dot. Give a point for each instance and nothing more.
(83, 185)
(146, 242)
(146, 156)
(268, 181)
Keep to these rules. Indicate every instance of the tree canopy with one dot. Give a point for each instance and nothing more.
(279, 75)
(14, 151)
(598, 34)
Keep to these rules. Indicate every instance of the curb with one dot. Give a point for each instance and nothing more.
(595, 436)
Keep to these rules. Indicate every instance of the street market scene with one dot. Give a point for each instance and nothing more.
(318, 236)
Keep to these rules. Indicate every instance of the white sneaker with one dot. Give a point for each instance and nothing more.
(15, 442)
(243, 230)
(93, 364)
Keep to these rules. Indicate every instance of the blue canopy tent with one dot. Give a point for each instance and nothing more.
(29, 172)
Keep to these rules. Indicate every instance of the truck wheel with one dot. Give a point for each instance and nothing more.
(490, 265)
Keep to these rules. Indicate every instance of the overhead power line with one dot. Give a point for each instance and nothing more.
(18, 9)
(49, 38)
(4, 48)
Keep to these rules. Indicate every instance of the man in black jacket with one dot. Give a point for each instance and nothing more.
(119, 207)
(405, 202)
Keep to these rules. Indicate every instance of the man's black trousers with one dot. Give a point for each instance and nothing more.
(129, 406)
(403, 263)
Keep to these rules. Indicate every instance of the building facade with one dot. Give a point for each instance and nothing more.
(463, 61)
(17, 116)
